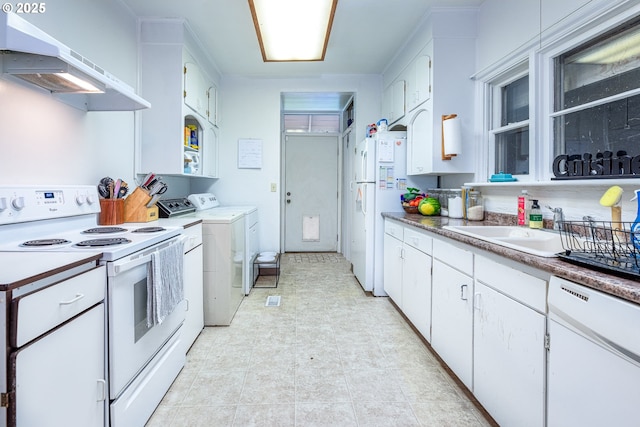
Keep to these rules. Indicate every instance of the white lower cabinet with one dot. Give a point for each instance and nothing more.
(392, 273)
(485, 316)
(452, 319)
(60, 377)
(509, 352)
(193, 286)
(416, 281)
(407, 274)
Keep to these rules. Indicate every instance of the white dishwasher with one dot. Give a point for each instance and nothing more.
(594, 357)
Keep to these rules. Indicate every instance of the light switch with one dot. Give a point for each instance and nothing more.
(273, 187)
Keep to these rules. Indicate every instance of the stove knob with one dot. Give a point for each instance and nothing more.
(3, 203)
(18, 203)
(91, 199)
(80, 199)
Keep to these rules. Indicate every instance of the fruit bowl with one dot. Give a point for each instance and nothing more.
(410, 209)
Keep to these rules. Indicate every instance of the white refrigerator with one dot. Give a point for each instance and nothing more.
(380, 177)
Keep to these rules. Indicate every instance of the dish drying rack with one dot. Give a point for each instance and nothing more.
(602, 245)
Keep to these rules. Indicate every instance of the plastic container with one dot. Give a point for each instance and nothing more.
(455, 204)
(535, 215)
(475, 206)
(523, 208)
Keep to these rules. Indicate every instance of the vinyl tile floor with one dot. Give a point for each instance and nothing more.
(328, 355)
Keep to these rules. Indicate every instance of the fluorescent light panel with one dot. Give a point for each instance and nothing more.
(293, 30)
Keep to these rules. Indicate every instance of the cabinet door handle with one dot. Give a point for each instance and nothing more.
(102, 390)
(463, 293)
(477, 298)
(72, 300)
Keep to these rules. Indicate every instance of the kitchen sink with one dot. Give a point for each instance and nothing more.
(544, 243)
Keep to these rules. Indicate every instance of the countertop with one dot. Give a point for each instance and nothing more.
(626, 289)
(28, 267)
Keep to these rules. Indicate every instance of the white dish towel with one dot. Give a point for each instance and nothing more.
(165, 283)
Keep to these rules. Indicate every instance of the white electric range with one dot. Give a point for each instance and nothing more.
(141, 358)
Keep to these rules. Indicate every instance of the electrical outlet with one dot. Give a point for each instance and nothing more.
(273, 187)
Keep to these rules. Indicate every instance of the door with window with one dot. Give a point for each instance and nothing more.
(311, 193)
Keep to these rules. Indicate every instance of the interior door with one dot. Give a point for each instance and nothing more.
(311, 193)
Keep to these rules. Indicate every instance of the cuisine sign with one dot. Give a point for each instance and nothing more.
(596, 166)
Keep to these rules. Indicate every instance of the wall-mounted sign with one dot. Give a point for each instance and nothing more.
(596, 166)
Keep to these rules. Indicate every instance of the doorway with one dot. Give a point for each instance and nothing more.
(311, 208)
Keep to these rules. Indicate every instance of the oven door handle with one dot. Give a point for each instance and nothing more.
(120, 266)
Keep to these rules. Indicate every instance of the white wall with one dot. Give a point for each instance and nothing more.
(506, 25)
(45, 141)
(250, 108)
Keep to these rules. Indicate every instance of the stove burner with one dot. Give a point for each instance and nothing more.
(112, 241)
(104, 230)
(148, 230)
(45, 242)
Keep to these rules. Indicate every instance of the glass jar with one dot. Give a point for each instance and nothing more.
(444, 202)
(436, 193)
(455, 204)
(475, 206)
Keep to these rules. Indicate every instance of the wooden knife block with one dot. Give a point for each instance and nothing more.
(135, 207)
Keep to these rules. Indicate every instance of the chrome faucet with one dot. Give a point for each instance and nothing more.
(558, 218)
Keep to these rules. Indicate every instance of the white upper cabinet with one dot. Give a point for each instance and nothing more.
(178, 134)
(212, 104)
(418, 82)
(195, 89)
(436, 67)
(394, 101)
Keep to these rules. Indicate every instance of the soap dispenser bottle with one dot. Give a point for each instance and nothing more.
(535, 215)
(635, 227)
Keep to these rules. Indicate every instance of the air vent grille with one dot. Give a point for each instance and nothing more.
(273, 301)
(584, 298)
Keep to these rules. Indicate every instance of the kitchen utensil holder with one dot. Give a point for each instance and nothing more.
(135, 207)
(111, 212)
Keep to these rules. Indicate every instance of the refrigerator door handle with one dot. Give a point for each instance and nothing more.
(363, 205)
(365, 154)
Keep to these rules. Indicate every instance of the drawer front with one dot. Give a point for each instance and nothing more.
(42, 311)
(394, 229)
(522, 287)
(193, 237)
(456, 257)
(418, 240)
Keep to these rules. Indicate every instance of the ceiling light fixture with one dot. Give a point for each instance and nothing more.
(293, 30)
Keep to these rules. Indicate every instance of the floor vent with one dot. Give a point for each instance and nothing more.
(273, 301)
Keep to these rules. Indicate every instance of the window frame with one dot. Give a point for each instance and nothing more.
(494, 106)
(594, 24)
(587, 23)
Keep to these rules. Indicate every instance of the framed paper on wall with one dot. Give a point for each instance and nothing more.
(249, 153)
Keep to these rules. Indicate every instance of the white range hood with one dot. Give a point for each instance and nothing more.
(32, 55)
